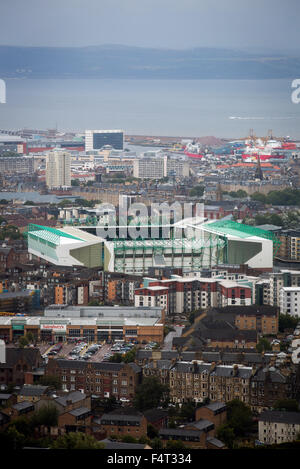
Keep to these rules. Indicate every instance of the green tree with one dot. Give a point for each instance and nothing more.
(197, 191)
(191, 317)
(187, 410)
(129, 439)
(116, 358)
(156, 443)
(22, 425)
(30, 337)
(286, 321)
(175, 445)
(129, 357)
(75, 182)
(64, 203)
(263, 345)
(23, 341)
(46, 415)
(11, 439)
(150, 393)
(152, 432)
(172, 423)
(76, 440)
(226, 434)
(259, 197)
(53, 381)
(239, 417)
(94, 303)
(290, 405)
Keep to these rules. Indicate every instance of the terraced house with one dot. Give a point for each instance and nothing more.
(200, 381)
(102, 379)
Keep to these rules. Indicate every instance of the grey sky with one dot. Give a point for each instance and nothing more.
(272, 24)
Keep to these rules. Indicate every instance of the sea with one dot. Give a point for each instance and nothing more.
(184, 108)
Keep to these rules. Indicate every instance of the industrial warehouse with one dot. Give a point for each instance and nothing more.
(207, 244)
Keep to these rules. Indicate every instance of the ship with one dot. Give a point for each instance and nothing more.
(266, 149)
(194, 150)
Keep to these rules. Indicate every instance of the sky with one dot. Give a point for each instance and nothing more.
(175, 24)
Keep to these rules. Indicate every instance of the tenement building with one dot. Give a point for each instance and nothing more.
(103, 379)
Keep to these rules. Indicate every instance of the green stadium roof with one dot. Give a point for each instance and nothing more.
(229, 227)
(49, 234)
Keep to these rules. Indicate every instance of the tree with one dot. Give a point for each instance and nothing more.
(150, 393)
(226, 434)
(30, 337)
(175, 445)
(290, 405)
(22, 425)
(259, 197)
(152, 432)
(129, 357)
(172, 423)
(64, 202)
(156, 443)
(94, 303)
(286, 321)
(263, 345)
(191, 317)
(51, 380)
(76, 440)
(75, 182)
(11, 439)
(29, 202)
(116, 358)
(47, 415)
(23, 341)
(129, 439)
(197, 191)
(187, 410)
(239, 417)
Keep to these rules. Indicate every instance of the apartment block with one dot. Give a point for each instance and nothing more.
(275, 427)
(290, 301)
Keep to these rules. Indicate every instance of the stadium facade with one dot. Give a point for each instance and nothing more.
(190, 244)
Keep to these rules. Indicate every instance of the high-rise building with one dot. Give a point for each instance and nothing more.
(97, 139)
(58, 169)
(158, 168)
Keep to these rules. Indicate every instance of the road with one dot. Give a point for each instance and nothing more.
(169, 338)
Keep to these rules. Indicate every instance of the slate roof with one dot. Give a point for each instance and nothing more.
(160, 364)
(119, 445)
(80, 411)
(101, 366)
(75, 396)
(153, 415)
(23, 405)
(280, 417)
(203, 424)
(4, 397)
(214, 441)
(128, 414)
(179, 432)
(33, 390)
(274, 376)
(216, 406)
(14, 354)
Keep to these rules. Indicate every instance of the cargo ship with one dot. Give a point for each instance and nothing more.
(270, 149)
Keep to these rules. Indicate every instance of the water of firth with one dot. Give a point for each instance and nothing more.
(223, 108)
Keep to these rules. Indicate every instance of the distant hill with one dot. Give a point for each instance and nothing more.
(113, 61)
